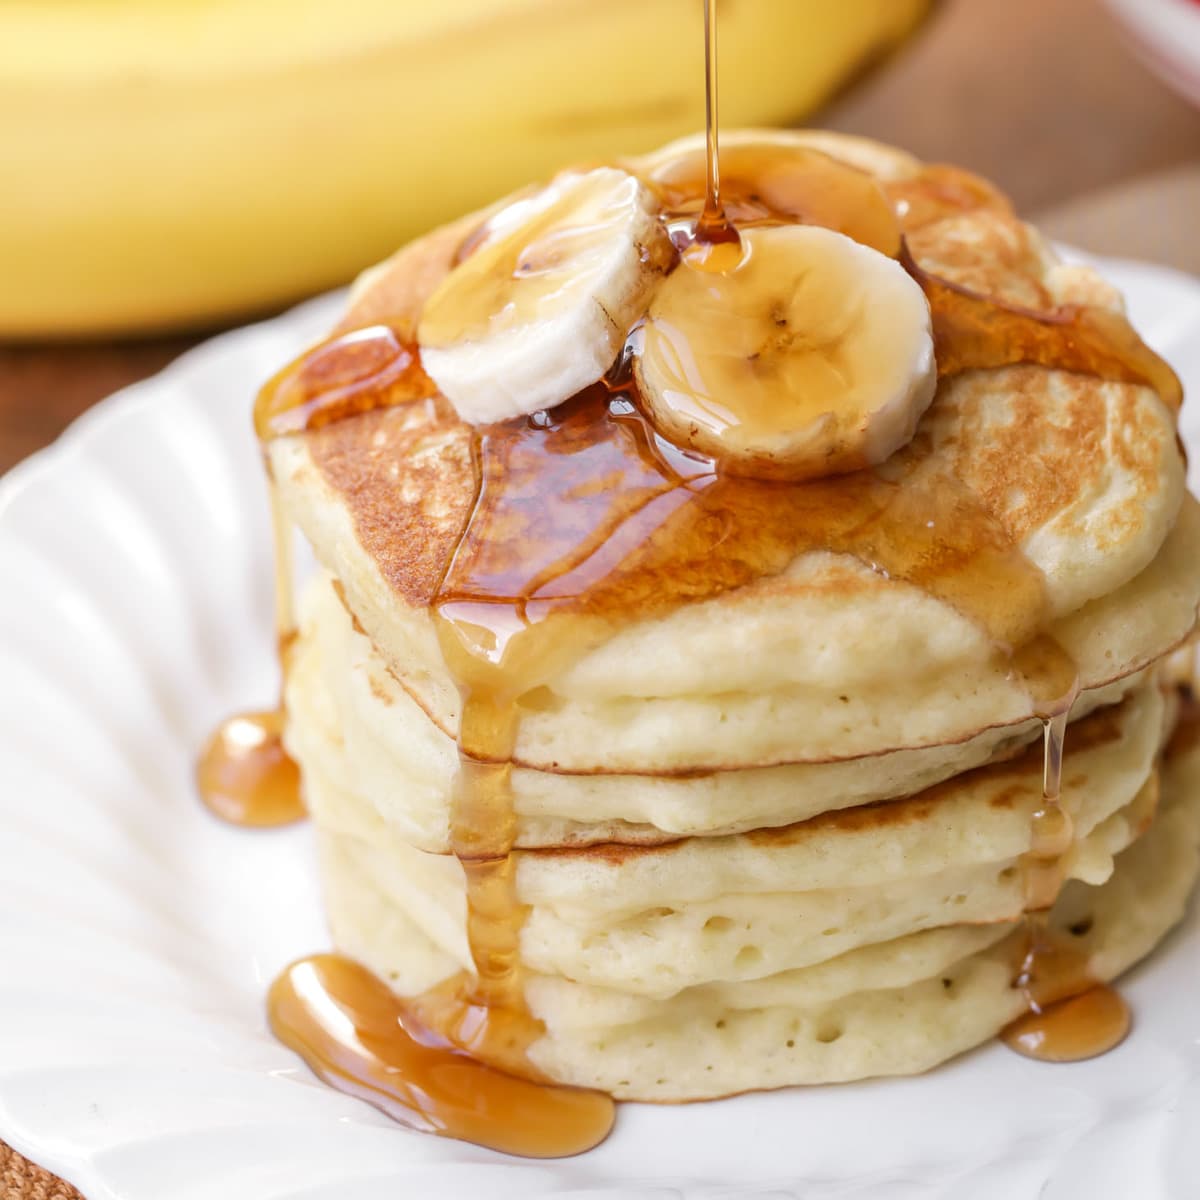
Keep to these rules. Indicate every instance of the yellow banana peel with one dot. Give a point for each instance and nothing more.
(172, 163)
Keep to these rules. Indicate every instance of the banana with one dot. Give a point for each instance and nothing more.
(812, 356)
(541, 308)
(167, 164)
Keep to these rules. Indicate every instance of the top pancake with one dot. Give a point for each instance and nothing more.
(1081, 476)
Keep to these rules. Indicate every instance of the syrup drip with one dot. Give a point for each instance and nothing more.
(357, 372)
(426, 1062)
(1089, 1023)
(971, 332)
(357, 1036)
(244, 775)
(1055, 687)
(1053, 832)
(1070, 1016)
(431, 1062)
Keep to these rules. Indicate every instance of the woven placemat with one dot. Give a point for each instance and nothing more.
(21, 1180)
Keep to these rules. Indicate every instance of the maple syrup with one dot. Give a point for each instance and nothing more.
(585, 517)
(972, 331)
(1053, 681)
(1089, 1022)
(244, 774)
(354, 1032)
(1071, 1016)
(713, 226)
(358, 371)
(246, 777)
(779, 185)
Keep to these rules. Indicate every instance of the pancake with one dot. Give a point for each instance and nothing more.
(1082, 474)
(654, 920)
(358, 728)
(734, 937)
(893, 669)
(712, 782)
(883, 1009)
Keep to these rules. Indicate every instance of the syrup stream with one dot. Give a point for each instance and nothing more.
(712, 219)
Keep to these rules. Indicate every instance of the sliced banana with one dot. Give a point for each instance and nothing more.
(813, 356)
(541, 308)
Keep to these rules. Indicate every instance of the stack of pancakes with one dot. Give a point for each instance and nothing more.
(776, 835)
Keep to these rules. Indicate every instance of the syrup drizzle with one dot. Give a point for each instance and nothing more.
(430, 1063)
(244, 775)
(1070, 1015)
(356, 372)
(713, 226)
(586, 515)
(710, 242)
(972, 331)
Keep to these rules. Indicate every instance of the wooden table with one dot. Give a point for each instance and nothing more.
(1040, 95)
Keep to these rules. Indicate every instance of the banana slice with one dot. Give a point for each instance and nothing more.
(542, 308)
(812, 356)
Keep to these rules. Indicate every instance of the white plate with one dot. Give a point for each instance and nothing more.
(137, 935)
(1166, 35)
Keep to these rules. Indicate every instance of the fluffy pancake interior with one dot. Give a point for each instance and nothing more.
(895, 1006)
(353, 722)
(657, 920)
(862, 664)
